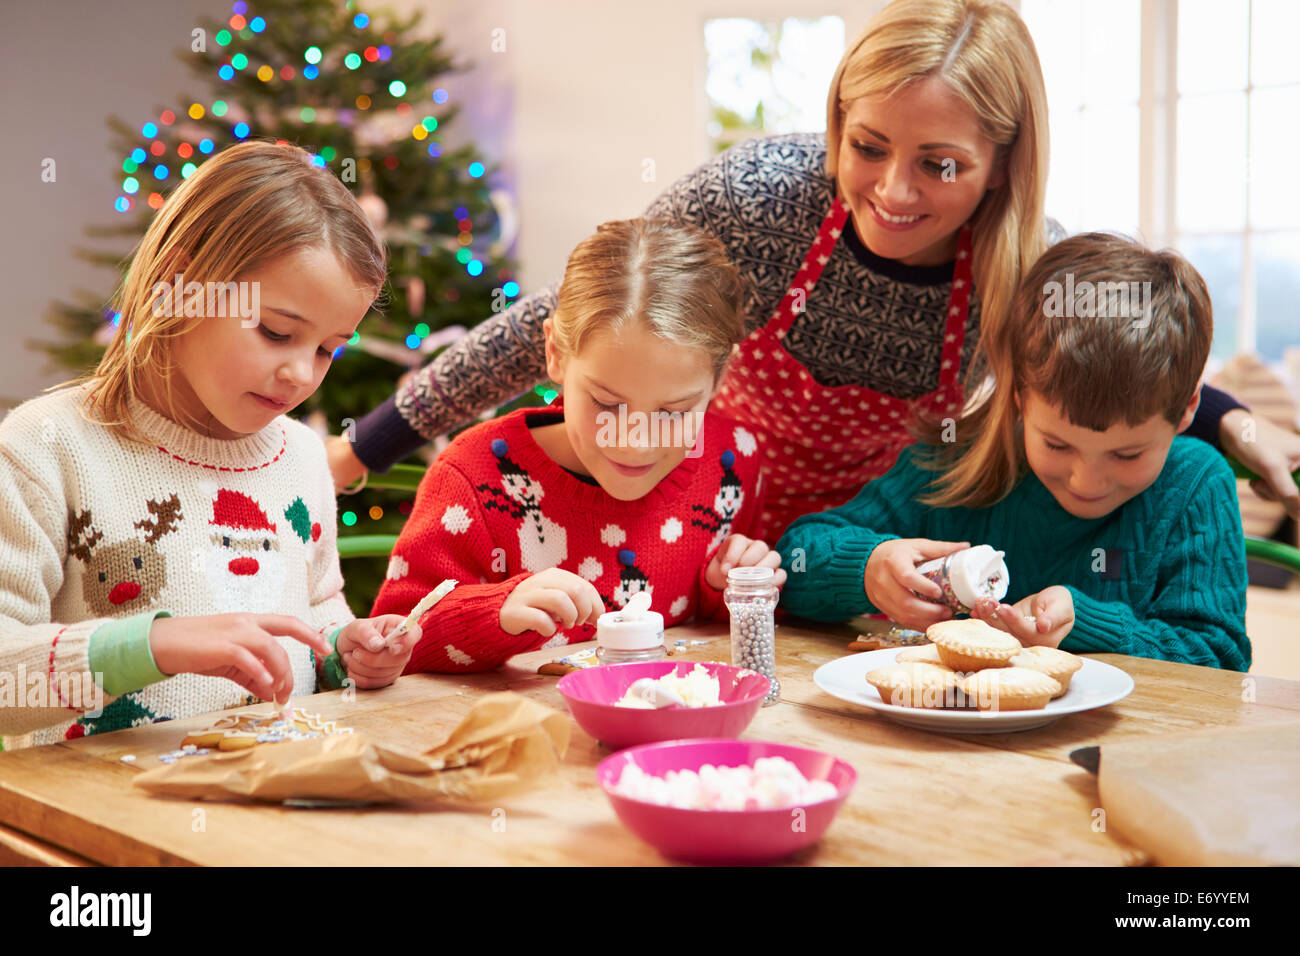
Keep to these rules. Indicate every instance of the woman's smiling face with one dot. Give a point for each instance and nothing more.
(912, 168)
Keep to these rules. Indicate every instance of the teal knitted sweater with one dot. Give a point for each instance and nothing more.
(1162, 576)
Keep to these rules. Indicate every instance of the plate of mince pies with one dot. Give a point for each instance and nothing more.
(973, 679)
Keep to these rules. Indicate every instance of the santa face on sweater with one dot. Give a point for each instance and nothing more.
(245, 568)
(659, 387)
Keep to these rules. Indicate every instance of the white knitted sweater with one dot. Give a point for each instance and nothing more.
(94, 528)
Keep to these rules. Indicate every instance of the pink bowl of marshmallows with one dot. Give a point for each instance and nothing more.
(726, 801)
(623, 705)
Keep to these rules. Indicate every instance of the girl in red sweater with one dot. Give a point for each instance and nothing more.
(547, 517)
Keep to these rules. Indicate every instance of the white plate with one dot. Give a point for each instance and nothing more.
(1093, 685)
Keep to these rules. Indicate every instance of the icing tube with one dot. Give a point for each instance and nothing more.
(426, 602)
(968, 575)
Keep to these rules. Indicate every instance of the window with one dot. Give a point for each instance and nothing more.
(1090, 54)
(1175, 120)
(769, 77)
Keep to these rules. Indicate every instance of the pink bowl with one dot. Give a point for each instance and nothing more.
(591, 692)
(725, 836)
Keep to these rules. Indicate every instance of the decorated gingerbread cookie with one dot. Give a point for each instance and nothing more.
(239, 731)
(573, 662)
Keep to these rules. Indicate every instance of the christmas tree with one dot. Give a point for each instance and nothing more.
(361, 94)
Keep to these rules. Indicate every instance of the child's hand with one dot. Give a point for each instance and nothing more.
(737, 551)
(373, 657)
(550, 599)
(891, 577)
(345, 466)
(1044, 618)
(238, 647)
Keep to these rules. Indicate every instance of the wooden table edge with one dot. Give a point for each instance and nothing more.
(22, 849)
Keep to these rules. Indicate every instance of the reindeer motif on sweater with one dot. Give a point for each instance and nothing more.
(124, 575)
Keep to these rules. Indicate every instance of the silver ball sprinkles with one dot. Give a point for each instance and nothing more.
(753, 643)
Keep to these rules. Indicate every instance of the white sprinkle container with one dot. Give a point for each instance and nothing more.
(968, 575)
(751, 598)
(623, 638)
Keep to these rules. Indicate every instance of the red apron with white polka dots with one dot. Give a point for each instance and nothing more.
(823, 443)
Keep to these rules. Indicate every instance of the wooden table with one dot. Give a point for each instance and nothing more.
(921, 797)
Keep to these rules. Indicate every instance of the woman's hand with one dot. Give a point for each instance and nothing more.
(1044, 618)
(372, 656)
(737, 551)
(891, 578)
(238, 647)
(345, 466)
(550, 599)
(1267, 450)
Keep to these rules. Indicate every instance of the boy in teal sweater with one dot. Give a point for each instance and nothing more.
(1119, 536)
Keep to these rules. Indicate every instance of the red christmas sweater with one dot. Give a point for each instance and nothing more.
(494, 508)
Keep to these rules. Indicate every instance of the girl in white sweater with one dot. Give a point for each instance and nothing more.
(167, 542)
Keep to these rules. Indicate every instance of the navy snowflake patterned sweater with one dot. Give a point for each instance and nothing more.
(494, 508)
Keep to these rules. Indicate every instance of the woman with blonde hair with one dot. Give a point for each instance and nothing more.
(878, 259)
(171, 482)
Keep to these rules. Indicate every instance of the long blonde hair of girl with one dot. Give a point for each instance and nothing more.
(676, 278)
(248, 205)
(985, 55)
(1131, 344)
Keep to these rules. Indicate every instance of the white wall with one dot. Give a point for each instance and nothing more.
(65, 66)
(599, 87)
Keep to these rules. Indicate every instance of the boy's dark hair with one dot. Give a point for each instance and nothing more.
(1103, 328)
(1118, 332)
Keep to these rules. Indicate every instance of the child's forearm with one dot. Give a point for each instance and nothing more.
(330, 614)
(46, 676)
(462, 632)
(1209, 640)
(825, 554)
(825, 569)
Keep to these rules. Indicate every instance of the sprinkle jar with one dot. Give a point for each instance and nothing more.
(751, 599)
(968, 575)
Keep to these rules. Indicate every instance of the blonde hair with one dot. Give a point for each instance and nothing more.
(676, 278)
(985, 55)
(248, 205)
(1098, 357)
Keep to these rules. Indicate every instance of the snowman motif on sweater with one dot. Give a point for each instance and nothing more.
(726, 504)
(245, 568)
(542, 543)
(631, 580)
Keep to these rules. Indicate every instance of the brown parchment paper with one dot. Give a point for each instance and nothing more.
(1225, 797)
(505, 744)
